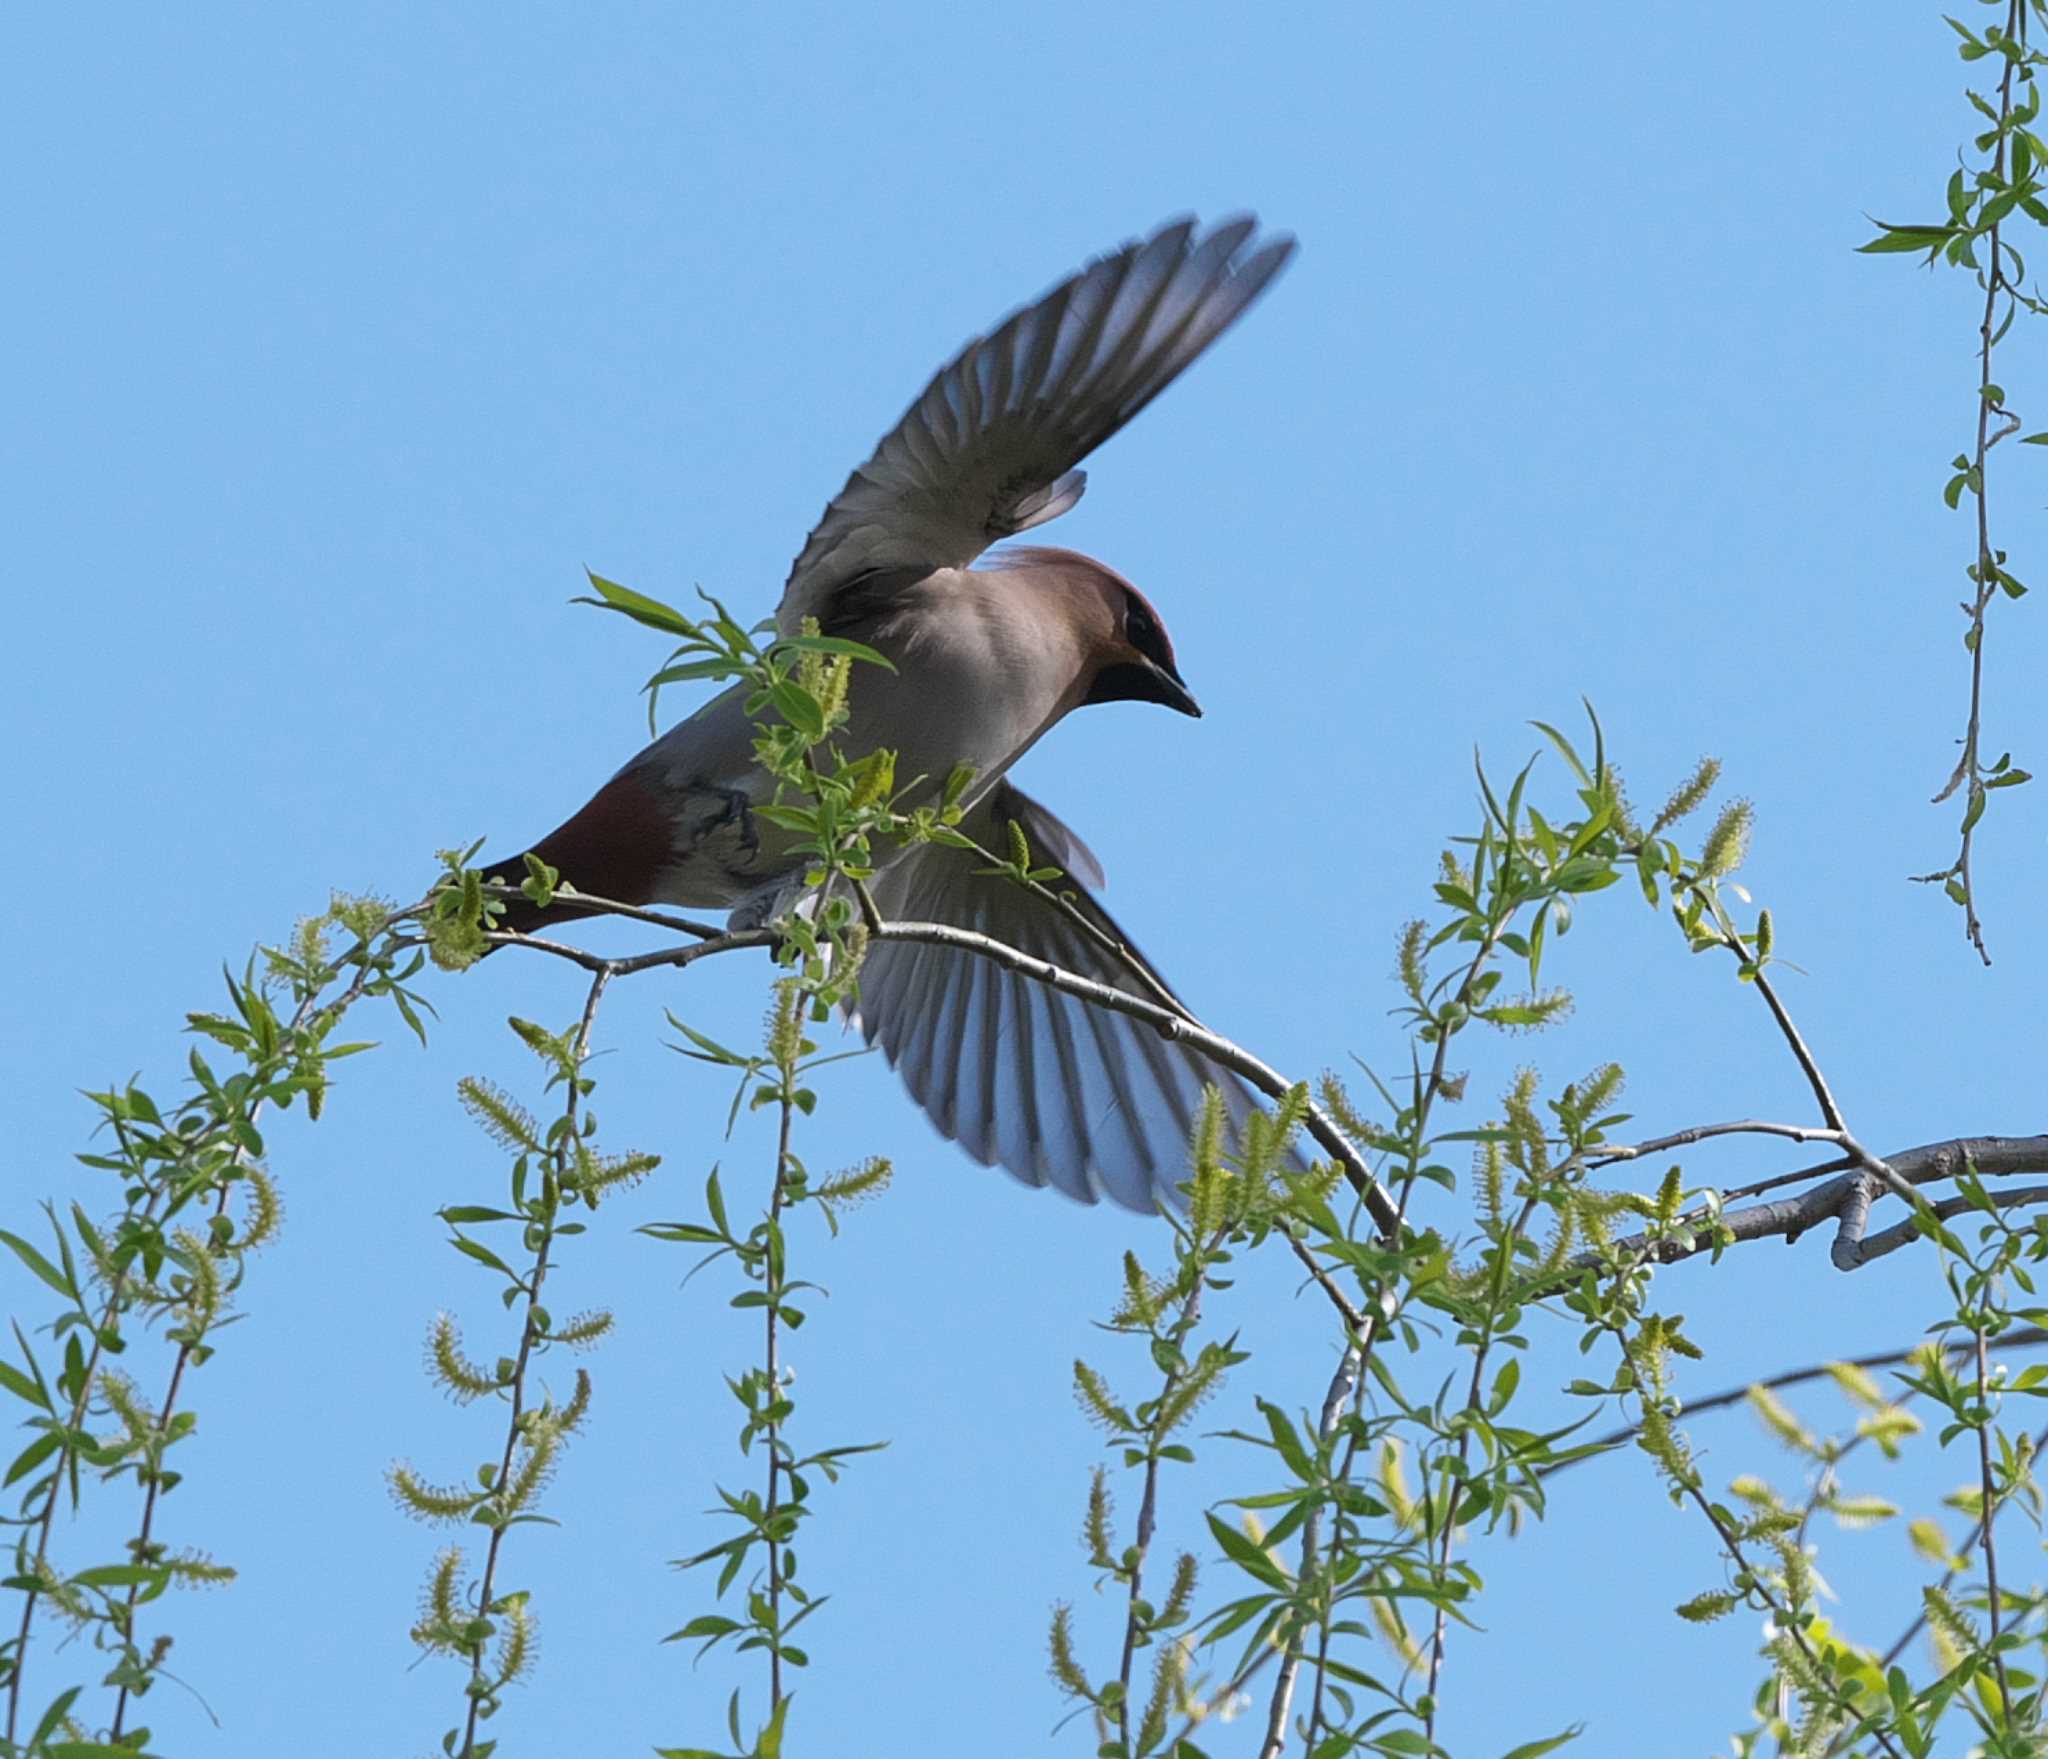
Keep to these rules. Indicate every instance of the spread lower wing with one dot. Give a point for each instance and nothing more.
(1094, 1103)
(989, 449)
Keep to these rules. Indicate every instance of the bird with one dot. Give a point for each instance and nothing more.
(990, 650)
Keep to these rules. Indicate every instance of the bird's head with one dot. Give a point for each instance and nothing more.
(1127, 654)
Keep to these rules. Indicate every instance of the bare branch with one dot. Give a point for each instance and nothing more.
(1705, 1132)
(1889, 1240)
(1814, 1078)
(1987, 1156)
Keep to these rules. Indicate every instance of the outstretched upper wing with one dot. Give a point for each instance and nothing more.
(1054, 1090)
(989, 449)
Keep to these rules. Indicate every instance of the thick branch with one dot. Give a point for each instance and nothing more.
(1988, 1156)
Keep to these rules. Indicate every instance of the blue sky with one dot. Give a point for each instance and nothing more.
(341, 344)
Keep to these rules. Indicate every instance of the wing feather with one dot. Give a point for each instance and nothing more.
(1055, 1091)
(990, 447)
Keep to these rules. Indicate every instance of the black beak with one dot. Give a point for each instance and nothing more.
(1143, 680)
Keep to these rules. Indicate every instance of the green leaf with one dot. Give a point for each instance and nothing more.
(798, 707)
(1504, 1384)
(38, 1263)
(680, 1233)
(1907, 238)
(769, 1745)
(482, 1254)
(1534, 1749)
(1288, 1441)
(1975, 810)
(1248, 1557)
(32, 1456)
(474, 1212)
(832, 644)
(22, 1387)
(1564, 750)
(1998, 207)
(709, 1624)
(709, 1050)
(642, 609)
(121, 1576)
(714, 668)
(60, 1707)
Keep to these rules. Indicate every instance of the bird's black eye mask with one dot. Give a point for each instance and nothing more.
(1152, 676)
(1142, 631)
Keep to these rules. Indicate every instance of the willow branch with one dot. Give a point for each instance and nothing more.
(2019, 1338)
(1707, 1132)
(1969, 771)
(1804, 1057)
(1343, 1388)
(1889, 1240)
(1788, 1218)
(1169, 1023)
(306, 1011)
(528, 1333)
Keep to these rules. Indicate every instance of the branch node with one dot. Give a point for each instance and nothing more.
(1854, 1216)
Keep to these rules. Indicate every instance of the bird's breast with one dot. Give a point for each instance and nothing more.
(973, 683)
(968, 687)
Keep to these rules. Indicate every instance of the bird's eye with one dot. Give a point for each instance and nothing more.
(1137, 626)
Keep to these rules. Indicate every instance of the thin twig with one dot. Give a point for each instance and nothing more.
(1814, 1078)
(31, 1596)
(1988, 1490)
(2019, 1338)
(771, 1361)
(1170, 1024)
(140, 1546)
(1955, 1569)
(868, 912)
(528, 1332)
(1148, 1515)
(1758, 1580)
(1706, 1132)
(1969, 770)
(1474, 1395)
(1356, 1325)
(1343, 1387)
(572, 904)
(1095, 932)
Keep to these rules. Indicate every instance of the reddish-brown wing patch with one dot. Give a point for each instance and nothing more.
(616, 847)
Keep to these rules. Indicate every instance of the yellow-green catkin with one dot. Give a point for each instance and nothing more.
(1688, 796)
(1727, 843)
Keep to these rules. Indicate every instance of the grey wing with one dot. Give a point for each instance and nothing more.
(990, 447)
(1094, 1103)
